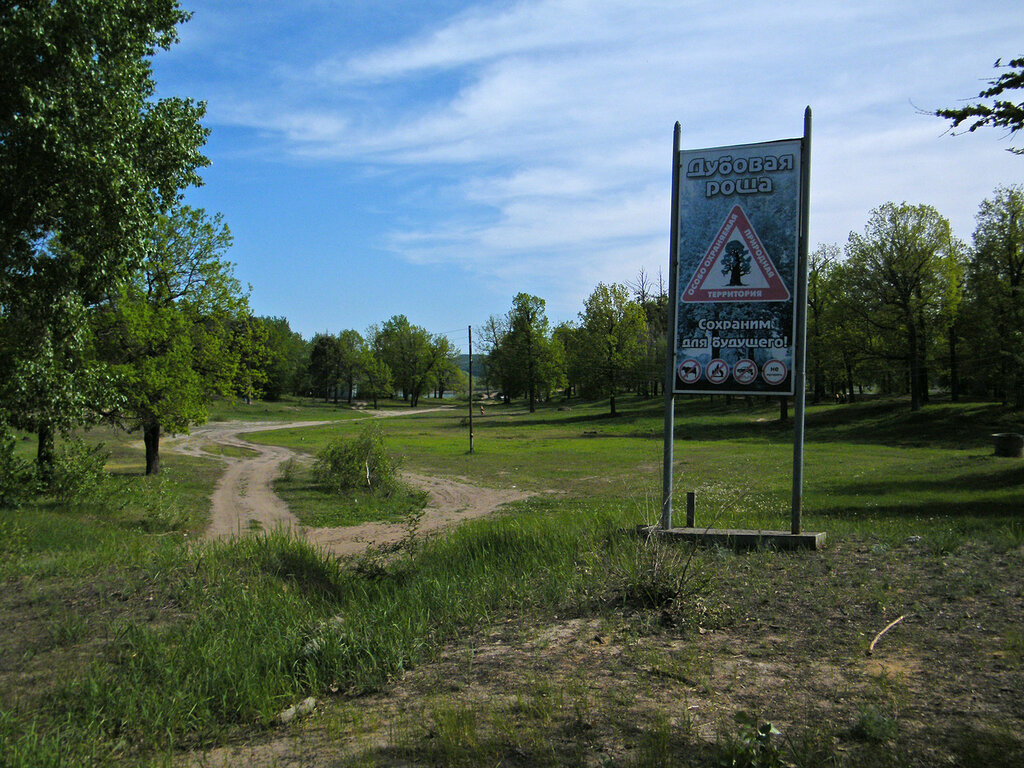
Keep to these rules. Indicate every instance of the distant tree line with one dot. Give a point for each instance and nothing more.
(904, 308)
(908, 307)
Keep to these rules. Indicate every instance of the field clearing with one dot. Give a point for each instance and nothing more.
(544, 634)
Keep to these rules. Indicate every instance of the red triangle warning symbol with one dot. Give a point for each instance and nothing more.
(736, 267)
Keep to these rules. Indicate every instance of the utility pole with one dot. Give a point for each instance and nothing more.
(471, 389)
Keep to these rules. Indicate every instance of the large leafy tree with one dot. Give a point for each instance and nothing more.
(173, 333)
(350, 345)
(820, 297)
(335, 361)
(840, 340)
(566, 340)
(904, 273)
(85, 151)
(447, 376)
(88, 158)
(49, 378)
(374, 375)
(994, 109)
(611, 341)
(411, 354)
(325, 365)
(287, 353)
(526, 350)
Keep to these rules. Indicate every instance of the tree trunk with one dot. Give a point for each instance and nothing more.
(913, 359)
(44, 452)
(954, 367)
(151, 437)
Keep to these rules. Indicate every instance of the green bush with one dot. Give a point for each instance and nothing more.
(358, 462)
(78, 470)
(16, 475)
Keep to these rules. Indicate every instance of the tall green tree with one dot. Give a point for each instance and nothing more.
(566, 338)
(411, 354)
(527, 348)
(88, 157)
(904, 272)
(325, 365)
(287, 355)
(447, 376)
(611, 341)
(350, 345)
(85, 150)
(821, 295)
(845, 342)
(50, 379)
(374, 376)
(169, 332)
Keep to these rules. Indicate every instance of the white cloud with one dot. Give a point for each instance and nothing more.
(556, 116)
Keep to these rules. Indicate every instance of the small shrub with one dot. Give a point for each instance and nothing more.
(654, 574)
(359, 462)
(873, 725)
(16, 475)
(13, 537)
(753, 746)
(77, 471)
(289, 470)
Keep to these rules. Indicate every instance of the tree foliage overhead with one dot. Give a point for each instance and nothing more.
(85, 151)
(994, 111)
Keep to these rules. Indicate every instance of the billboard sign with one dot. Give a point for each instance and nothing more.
(739, 225)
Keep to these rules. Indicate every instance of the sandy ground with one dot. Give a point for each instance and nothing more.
(244, 500)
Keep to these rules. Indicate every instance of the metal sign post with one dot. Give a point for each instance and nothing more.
(670, 368)
(738, 281)
(800, 368)
(471, 389)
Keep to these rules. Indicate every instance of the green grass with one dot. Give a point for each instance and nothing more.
(909, 473)
(130, 641)
(291, 408)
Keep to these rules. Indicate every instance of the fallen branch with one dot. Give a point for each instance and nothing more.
(890, 625)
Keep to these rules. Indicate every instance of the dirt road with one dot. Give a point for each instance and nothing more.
(244, 500)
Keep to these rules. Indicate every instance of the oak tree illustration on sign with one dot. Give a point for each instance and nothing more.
(736, 262)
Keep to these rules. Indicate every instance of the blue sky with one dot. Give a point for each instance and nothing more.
(434, 158)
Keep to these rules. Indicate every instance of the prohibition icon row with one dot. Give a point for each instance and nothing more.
(744, 371)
